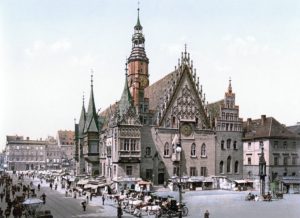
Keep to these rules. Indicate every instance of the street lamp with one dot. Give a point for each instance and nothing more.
(262, 171)
(179, 150)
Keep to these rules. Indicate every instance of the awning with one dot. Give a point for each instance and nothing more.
(82, 182)
(144, 183)
(243, 181)
(196, 179)
(292, 181)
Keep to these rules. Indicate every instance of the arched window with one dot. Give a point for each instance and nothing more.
(193, 150)
(228, 143)
(222, 145)
(221, 167)
(166, 149)
(203, 150)
(235, 145)
(229, 164)
(148, 151)
(236, 167)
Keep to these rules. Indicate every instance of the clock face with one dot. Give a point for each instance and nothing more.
(144, 81)
(186, 129)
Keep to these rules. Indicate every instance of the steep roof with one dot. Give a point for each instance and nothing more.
(266, 127)
(92, 123)
(154, 91)
(295, 129)
(82, 120)
(125, 102)
(214, 108)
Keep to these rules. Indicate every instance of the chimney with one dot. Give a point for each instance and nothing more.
(249, 121)
(263, 120)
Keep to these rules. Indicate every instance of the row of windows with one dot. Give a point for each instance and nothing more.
(26, 158)
(193, 171)
(228, 166)
(229, 127)
(285, 160)
(228, 144)
(67, 143)
(276, 160)
(129, 145)
(193, 150)
(284, 145)
(23, 147)
(229, 116)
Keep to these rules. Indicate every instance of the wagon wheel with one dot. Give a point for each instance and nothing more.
(185, 211)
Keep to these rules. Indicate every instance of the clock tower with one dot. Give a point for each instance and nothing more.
(138, 77)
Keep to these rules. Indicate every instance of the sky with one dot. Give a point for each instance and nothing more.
(48, 48)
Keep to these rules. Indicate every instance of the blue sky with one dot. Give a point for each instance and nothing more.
(48, 47)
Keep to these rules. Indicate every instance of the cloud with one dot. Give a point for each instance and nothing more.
(87, 60)
(40, 47)
(247, 46)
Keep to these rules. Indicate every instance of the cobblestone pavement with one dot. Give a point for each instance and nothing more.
(223, 204)
(219, 203)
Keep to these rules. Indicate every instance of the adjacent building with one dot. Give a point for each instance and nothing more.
(66, 144)
(25, 154)
(281, 149)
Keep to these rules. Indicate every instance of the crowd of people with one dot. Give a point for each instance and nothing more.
(13, 192)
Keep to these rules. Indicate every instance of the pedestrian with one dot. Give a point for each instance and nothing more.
(83, 205)
(119, 211)
(7, 212)
(87, 199)
(91, 196)
(206, 214)
(103, 199)
(44, 198)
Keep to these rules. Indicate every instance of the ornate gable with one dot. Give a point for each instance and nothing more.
(183, 98)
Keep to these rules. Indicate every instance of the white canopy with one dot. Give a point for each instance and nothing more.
(32, 201)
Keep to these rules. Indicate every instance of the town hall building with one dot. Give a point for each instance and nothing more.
(139, 135)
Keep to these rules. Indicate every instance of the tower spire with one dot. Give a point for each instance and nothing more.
(229, 86)
(92, 72)
(91, 115)
(126, 99)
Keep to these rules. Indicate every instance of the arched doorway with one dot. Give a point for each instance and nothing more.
(161, 173)
(161, 178)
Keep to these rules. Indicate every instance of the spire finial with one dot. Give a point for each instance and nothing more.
(126, 68)
(229, 86)
(185, 46)
(92, 75)
(83, 98)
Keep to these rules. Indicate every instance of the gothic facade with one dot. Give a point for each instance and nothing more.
(138, 136)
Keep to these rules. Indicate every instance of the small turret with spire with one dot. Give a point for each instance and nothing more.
(92, 124)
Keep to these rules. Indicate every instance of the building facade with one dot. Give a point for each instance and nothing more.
(87, 138)
(281, 150)
(138, 135)
(229, 132)
(53, 154)
(25, 154)
(66, 143)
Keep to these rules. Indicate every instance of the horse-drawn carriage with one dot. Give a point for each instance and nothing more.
(170, 208)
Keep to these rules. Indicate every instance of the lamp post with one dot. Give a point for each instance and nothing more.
(179, 150)
(262, 171)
